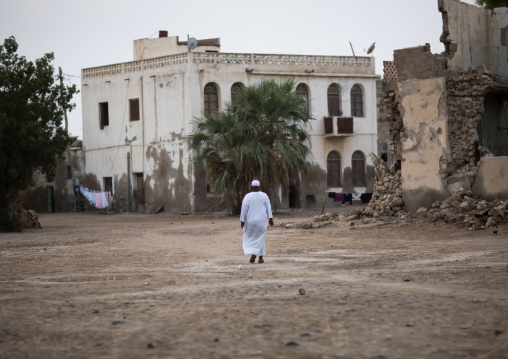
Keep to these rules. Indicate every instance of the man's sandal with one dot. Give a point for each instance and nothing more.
(261, 260)
(252, 258)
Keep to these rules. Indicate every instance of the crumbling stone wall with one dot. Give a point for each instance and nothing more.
(387, 196)
(465, 101)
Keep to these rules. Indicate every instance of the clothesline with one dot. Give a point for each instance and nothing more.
(349, 197)
(96, 198)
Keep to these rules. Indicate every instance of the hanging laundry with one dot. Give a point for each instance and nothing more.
(348, 197)
(357, 196)
(95, 198)
(98, 200)
(104, 199)
(339, 197)
(331, 194)
(366, 197)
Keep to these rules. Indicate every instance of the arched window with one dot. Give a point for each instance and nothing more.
(356, 101)
(303, 91)
(334, 100)
(333, 169)
(358, 169)
(237, 86)
(211, 98)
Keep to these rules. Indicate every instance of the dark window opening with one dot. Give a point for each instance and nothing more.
(134, 110)
(303, 91)
(493, 127)
(140, 190)
(358, 169)
(334, 100)
(108, 184)
(356, 101)
(69, 172)
(333, 169)
(103, 115)
(211, 99)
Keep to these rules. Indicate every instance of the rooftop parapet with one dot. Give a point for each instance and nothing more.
(275, 63)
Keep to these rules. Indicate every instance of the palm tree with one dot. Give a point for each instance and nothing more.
(261, 135)
(492, 4)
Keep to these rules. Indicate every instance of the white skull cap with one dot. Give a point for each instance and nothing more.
(255, 183)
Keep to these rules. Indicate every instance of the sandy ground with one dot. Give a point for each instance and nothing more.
(89, 285)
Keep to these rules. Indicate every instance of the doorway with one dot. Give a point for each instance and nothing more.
(51, 199)
(140, 191)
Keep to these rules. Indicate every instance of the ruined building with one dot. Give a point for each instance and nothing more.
(447, 116)
(136, 115)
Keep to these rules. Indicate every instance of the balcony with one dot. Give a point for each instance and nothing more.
(338, 126)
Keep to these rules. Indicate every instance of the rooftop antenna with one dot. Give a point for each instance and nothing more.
(192, 43)
(352, 48)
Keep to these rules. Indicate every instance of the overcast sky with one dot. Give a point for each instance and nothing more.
(87, 33)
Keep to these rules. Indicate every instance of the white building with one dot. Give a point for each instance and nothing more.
(136, 115)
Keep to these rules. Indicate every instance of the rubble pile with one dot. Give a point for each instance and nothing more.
(387, 196)
(318, 222)
(464, 209)
(29, 219)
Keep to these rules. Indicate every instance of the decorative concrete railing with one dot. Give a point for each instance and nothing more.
(230, 58)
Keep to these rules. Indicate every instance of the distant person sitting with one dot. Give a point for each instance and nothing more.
(256, 210)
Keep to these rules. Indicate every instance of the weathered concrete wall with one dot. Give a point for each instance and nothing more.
(474, 36)
(36, 197)
(423, 105)
(418, 62)
(491, 181)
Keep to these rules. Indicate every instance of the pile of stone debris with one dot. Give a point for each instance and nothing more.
(387, 195)
(464, 209)
(29, 219)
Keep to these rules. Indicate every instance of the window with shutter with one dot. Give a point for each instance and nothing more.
(134, 109)
(303, 91)
(358, 169)
(237, 86)
(211, 99)
(356, 101)
(333, 169)
(334, 100)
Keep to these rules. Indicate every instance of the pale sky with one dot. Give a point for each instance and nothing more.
(88, 33)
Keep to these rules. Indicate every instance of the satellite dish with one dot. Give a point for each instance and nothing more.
(371, 48)
(192, 43)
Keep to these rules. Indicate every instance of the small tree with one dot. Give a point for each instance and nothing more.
(32, 105)
(492, 4)
(261, 135)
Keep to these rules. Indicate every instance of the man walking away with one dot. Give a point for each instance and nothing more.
(256, 210)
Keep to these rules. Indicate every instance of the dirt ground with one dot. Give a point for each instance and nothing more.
(89, 285)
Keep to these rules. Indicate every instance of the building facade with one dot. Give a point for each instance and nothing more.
(136, 116)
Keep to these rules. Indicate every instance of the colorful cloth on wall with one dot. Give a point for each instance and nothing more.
(350, 197)
(95, 198)
(339, 197)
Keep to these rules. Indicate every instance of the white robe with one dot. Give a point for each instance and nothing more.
(256, 210)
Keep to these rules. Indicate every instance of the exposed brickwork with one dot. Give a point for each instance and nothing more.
(465, 99)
